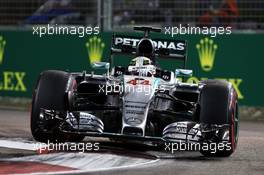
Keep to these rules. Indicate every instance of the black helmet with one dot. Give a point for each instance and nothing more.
(146, 48)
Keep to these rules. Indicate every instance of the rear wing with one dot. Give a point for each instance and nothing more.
(164, 48)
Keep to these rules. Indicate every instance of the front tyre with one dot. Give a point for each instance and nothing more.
(218, 106)
(50, 93)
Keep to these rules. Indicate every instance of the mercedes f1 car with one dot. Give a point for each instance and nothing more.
(139, 102)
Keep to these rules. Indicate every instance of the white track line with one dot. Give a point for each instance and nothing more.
(31, 146)
(84, 162)
(99, 169)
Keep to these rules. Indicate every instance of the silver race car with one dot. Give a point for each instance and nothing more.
(140, 102)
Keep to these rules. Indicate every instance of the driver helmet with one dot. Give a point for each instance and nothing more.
(141, 66)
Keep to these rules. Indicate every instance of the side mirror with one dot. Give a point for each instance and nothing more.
(101, 65)
(183, 73)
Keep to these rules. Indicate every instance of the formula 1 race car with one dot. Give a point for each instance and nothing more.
(139, 102)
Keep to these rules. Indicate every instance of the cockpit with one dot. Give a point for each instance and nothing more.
(141, 66)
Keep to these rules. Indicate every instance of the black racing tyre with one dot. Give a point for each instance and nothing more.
(218, 105)
(50, 93)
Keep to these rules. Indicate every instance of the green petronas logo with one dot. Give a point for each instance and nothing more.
(206, 50)
(2, 48)
(95, 47)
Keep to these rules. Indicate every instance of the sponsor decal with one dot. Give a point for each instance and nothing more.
(95, 47)
(206, 50)
(139, 81)
(180, 46)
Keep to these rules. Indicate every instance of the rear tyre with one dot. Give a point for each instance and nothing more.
(218, 105)
(50, 93)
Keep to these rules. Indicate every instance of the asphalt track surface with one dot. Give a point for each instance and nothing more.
(124, 159)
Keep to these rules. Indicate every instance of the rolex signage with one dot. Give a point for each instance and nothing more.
(2, 48)
(10, 80)
(95, 47)
(207, 53)
(206, 49)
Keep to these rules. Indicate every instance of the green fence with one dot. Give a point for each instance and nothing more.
(237, 58)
